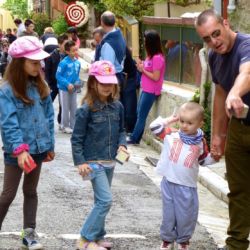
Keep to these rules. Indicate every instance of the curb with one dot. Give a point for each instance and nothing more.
(209, 179)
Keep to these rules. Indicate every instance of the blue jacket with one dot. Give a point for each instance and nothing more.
(30, 124)
(113, 49)
(98, 134)
(68, 72)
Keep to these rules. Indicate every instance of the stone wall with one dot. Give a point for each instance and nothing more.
(240, 18)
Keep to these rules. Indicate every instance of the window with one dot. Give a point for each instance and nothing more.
(181, 47)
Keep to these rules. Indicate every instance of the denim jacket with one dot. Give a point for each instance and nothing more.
(98, 132)
(26, 124)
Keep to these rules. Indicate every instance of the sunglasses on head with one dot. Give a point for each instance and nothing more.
(215, 34)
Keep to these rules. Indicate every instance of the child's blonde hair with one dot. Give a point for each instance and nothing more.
(193, 107)
(92, 95)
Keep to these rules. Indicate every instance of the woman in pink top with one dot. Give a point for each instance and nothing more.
(152, 69)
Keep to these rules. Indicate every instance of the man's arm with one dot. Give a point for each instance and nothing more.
(240, 88)
(219, 123)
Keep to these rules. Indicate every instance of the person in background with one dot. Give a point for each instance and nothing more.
(1, 34)
(51, 65)
(10, 36)
(49, 40)
(48, 32)
(183, 151)
(29, 29)
(98, 34)
(20, 26)
(112, 47)
(72, 34)
(152, 69)
(129, 97)
(97, 138)
(229, 60)
(4, 57)
(68, 82)
(27, 129)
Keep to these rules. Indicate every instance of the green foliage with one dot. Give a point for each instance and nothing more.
(60, 25)
(18, 8)
(135, 8)
(41, 21)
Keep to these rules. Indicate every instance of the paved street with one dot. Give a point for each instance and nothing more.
(65, 200)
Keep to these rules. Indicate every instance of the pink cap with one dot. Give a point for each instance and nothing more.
(104, 72)
(28, 47)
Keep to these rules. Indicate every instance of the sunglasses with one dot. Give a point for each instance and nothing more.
(215, 34)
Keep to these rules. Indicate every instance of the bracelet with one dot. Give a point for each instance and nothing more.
(20, 149)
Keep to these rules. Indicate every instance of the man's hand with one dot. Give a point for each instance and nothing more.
(234, 104)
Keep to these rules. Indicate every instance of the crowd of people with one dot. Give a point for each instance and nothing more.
(109, 112)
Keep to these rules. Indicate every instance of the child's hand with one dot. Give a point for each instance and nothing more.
(23, 158)
(50, 156)
(70, 88)
(123, 148)
(84, 169)
(171, 119)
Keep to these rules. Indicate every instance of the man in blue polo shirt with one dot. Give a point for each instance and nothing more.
(229, 60)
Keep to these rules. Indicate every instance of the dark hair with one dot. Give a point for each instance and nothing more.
(91, 94)
(69, 44)
(72, 30)
(152, 43)
(108, 18)
(28, 22)
(204, 15)
(18, 80)
(8, 30)
(98, 30)
(17, 21)
(62, 38)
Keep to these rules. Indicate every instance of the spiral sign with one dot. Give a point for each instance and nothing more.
(77, 14)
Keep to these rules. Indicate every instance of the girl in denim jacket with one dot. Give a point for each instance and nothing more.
(97, 137)
(27, 130)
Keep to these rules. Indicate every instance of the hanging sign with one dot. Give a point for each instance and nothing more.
(77, 14)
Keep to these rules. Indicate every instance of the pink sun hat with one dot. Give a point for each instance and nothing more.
(27, 47)
(104, 72)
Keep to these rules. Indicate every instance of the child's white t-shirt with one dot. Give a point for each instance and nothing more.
(179, 161)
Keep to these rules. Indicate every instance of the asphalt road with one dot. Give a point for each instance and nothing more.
(65, 200)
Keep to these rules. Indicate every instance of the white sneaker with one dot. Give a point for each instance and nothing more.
(29, 240)
(67, 130)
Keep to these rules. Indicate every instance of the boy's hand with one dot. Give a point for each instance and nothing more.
(84, 169)
(70, 88)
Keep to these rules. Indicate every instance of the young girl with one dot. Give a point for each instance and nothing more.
(27, 129)
(97, 137)
(152, 70)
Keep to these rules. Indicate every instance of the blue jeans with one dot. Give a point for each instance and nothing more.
(145, 103)
(128, 98)
(93, 228)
